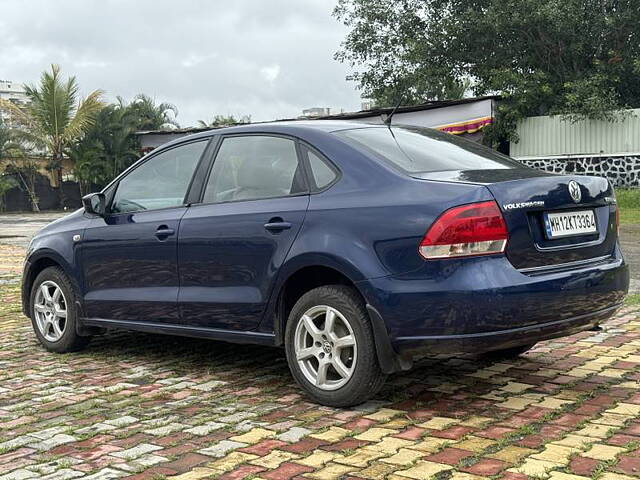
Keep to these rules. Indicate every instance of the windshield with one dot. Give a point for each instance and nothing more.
(415, 149)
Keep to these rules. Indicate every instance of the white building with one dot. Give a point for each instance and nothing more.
(12, 92)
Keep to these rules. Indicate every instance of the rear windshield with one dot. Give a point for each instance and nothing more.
(417, 150)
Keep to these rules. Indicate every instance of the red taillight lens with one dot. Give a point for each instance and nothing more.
(474, 229)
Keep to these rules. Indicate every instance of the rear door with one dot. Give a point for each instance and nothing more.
(232, 243)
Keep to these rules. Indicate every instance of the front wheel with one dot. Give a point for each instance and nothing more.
(53, 312)
(330, 347)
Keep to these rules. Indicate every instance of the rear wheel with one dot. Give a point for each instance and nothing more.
(53, 312)
(330, 347)
(509, 352)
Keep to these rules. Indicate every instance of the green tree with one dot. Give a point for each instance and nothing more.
(151, 115)
(224, 121)
(16, 162)
(576, 58)
(55, 117)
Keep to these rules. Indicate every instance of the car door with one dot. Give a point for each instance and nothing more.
(232, 244)
(129, 256)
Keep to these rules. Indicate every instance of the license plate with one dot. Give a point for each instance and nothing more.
(567, 224)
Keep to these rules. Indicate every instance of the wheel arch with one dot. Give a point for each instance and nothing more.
(297, 281)
(35, 264)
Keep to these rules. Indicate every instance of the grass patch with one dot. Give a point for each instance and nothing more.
(629, 205)
(632, 300)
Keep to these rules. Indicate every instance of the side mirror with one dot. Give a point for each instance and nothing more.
(95, 203)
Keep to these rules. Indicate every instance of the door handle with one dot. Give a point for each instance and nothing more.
(277, 225)
(163, 232)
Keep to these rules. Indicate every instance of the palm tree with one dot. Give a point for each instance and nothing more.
(153, 116)
(55, 117)
(224, 121)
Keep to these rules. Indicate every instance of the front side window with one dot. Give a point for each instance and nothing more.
(160, 182)
(254, 167)
(415, 149)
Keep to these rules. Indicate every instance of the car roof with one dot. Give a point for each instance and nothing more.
(292, 127)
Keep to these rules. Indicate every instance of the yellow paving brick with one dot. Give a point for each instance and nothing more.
(317, 458)
(390, 445)
(516, 403)
(360, 458)
(515, 387)
(397, 423)
(534, 467)
(430, 444)
(475, 444)
(626, 409)
(580, 372)
(566, 476)
(612, 419)
(274, 459)
(195, 474)
(439, 423)
(465, 476)
(332, 471)
(476, 421)
(424, 470)
(405, 456)
(594, 430)
(384, 414)
(553, 403)
(603, 452)
(613, 372)
(616, 476)
(556, 454)
(575, 441)
(253, 436)
(333, 434)
(374, 434)
(231, 461)
(511, 454)
(377, 471)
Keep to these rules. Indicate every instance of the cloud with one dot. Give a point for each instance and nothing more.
(268, 59)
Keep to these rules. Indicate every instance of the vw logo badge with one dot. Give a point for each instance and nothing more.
(574, 191)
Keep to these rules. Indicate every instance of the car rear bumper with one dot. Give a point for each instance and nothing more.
(476, 305)
(500, 340)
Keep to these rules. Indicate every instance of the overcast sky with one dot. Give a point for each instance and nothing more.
(264, 58)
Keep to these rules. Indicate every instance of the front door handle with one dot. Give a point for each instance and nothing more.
(277, 225)
(163, 232)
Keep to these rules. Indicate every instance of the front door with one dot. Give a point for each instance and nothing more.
(233, 243)
(129, 257)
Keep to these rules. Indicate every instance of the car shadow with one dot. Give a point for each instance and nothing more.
(443, 380)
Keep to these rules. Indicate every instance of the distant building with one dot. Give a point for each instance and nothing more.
(316, 112)
(14, 93)
(368, 105)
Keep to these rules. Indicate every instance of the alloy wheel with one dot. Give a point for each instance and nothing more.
(50, 310)
(325, 347)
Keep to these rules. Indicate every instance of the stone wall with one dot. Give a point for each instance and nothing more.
(623, 171)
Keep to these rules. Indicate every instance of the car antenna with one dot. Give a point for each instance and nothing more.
(387, 120)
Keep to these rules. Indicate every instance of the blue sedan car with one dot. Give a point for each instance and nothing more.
(355, 247)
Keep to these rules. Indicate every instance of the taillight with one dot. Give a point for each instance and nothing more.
(474, 229)
(617, 222)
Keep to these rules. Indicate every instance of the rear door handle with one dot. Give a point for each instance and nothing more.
(277, 226)
(163, 232)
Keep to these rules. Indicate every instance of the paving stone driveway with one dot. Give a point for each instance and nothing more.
(157, 407)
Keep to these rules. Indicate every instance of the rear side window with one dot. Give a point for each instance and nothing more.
(254, 167)
(322, 173)
(417, 150)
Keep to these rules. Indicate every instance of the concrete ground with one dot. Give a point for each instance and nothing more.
(152, 407)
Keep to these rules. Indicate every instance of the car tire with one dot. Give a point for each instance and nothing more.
(345, 374)
(509, 352)
(53, 312)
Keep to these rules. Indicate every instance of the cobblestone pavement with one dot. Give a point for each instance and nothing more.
(144, 406)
